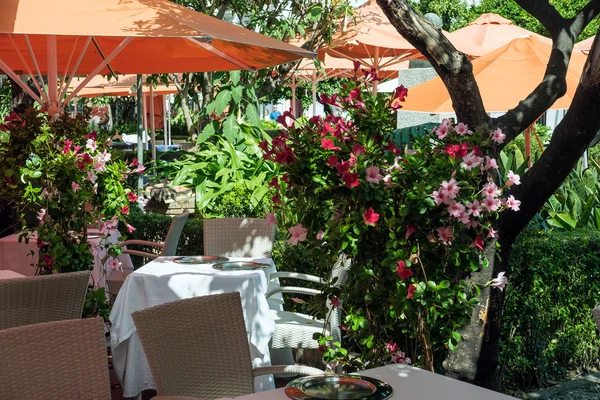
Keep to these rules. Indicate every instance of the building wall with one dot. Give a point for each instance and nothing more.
(411, 78)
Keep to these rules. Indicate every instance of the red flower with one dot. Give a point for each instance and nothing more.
(477, 151)
(275, 183)
(91, 135)
(343, 167)
(464, 149)
(327, 144)
(350, 179)
(335, 302)
(264, 146)
(402, 271)
(333, 161)
(125, 210)
(354, 94)
(392, 147)
(398, 97)
(132, 197)
(411, 291)
(134, 163)
(67, 146)
(356, 65)
(478, 243)
(285, 178)
(452, 149)
(358, 149)
(410, 229)
(370, 216)
(48, 261)
(286, 156)
(329, 100)
(276, 199)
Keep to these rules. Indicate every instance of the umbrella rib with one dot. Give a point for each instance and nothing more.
(27, 67)
(96, 70)
(85, 47)
(99, 48)
(19, 82)
(37, 67)
(222, 54)
(62, 82)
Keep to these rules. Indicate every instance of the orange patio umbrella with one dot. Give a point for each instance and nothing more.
(90, 37)
(585, 45)
(489, 32)
(123, 85)
(505, 76)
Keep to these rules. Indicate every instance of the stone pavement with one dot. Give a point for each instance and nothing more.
(585, 388)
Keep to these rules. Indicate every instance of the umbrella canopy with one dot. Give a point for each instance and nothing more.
(343, 67)
(373, 36)
(489, 32)
(505, 77)
(89, 37)
(585, 45)
(122, 86)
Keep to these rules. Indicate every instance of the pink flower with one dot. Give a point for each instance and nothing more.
(513, 203)
(373, 175)
(450, 188)
(350, 180)
(91, 144)
(441, 132)
(491, 190)
(445, 234)
(440, 198)
(474, 208)
(298, 233)
(500, 281)
(391, 347)
(320, 235)
(402, 271)
(67, 146)
(335, 302)
(462, 129)
(91, 176)
(130, 228)
(140, 169)
(410, 229)
(370, 216)
(491, 204)
(513, 179)
(41, 214)
(456, 209)
(492, 234)
(471, 161)
(498, 136)
(358, 149)
(400, 358)
(75, 186)
(411, 291)
(490, 163)
(465, 218)
(472, 224)
(327, 144)
(271, 219)
(333, 161)
(387, 180)
(134, 163)
(478, 243)
(113, 263)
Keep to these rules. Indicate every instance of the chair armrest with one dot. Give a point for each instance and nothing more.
(296, 275)
(293, 289)
(142, 243)
(287, 370)
(140, 253)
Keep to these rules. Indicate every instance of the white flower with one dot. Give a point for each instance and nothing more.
(499, 282)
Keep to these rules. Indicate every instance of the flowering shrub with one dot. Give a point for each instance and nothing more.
(413, 220)
(66, 177)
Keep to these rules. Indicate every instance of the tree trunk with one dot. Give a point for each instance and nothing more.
(187, 115)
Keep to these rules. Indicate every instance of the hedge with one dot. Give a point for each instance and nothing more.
(548, 331)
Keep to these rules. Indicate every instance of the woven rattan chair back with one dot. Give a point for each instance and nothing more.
(596, 315)
(197, 347)
(238, 237)
(172, 239)
(55, 361)
(45, 298)
(340, 274)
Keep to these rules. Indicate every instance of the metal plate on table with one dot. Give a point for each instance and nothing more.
(347, 387)
(240, 266)
(199, 259)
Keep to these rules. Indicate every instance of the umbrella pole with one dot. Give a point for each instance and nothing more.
(294, 95)
(314, 93)
(168, 105)
(140, 131)
(145, 105)
(52, 73)
(528, 146)
(152, 127)
(376, 65)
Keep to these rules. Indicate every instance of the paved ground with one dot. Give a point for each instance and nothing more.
(585, 388)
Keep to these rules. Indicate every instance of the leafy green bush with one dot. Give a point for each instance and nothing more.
(548, 329)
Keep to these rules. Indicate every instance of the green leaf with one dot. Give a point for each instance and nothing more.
(220, 103)
(206, 133)
(237, 93)
(252, 115)
(231, 128)
(235, 77)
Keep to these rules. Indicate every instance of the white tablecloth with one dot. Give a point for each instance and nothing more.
(16, 256)
(8, 274)
(409, 383)
(162, 281)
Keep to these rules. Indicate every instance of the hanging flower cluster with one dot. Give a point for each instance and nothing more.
(412, 216)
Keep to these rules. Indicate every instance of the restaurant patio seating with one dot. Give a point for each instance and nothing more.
(238, 237)
(35, 299)
(55, 361)
(295, 330)
(199, 347)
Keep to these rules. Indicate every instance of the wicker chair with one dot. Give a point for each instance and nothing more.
(238, 237)
(596, 315)
(55, 361)
(45, 298)
(295, 330)
(169, 247)
(199, 347)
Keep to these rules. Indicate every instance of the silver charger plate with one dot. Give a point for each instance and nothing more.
(240, 266)
(346, 387)
(199, 259)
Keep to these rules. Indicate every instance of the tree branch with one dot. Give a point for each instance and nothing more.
(554, 85)
(569, 140)
(453, 67)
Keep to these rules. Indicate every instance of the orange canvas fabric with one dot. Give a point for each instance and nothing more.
(123, 85)
(160, 32)
(505, 77)
(585, 45)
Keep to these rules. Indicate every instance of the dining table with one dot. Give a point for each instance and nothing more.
(408, 383)
(20, 257)
(165, 279)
